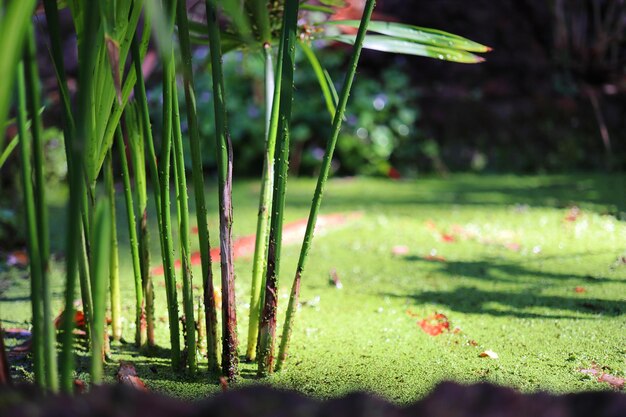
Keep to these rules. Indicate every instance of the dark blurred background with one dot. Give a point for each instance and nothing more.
(550, 96)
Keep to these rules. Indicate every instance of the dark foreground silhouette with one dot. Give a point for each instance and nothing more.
(447, 400)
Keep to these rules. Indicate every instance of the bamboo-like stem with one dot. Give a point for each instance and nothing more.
(33, 101)
(138, 241)
(230, 359)
(144, 116)
(321, 181)
(84, 278)
(38, 349)
(99, 274)
(183, 231)
(265, 207)
(164, 175)
(140, 333)
(267, 332)
(114, 262)
(210, 313)
(76, 150)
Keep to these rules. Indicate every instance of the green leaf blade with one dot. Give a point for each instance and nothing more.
(400, 46)
(419, 34)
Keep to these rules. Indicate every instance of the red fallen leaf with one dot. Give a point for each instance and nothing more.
(435, 324)
(580, 289)
(79, 319)
(18, 258)
(573, 214)
(400, 250)
(434, 258)
(127, 375)
(447, 238)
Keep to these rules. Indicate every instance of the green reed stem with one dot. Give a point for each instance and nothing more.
(140, 338)
(164, 174)
(230, 359)
(267, 334)
(36, 274)
(321, 181)
(210, 313)
(74, 253)
(138, 242)
(144, 121)
(33, 100)
(183, 231)
(99, 278)
(265, 207)
(114, 262)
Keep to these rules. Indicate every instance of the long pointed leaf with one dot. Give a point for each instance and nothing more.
(321, 77)
(418, 34)
(400, 46)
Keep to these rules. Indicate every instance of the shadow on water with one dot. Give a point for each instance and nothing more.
(154, 364)
(494, 270)
(522, 302)
(515, 304)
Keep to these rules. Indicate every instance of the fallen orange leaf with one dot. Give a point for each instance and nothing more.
(435, 324)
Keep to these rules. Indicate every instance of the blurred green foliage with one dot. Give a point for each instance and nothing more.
(379, 129)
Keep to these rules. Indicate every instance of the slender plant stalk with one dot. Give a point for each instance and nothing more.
(99, 275)
(36, 273)
(84, 278)
(183, 231)
(114, 262)
(144, 117)
(321, 181)
(265, 207)
(140, 334)
(267, 332)
(141, 265)
(210, 313)
(164, 174)
(33, 93)
(230, 359)
(73, 251)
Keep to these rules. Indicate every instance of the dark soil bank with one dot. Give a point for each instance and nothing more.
(448, 399)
